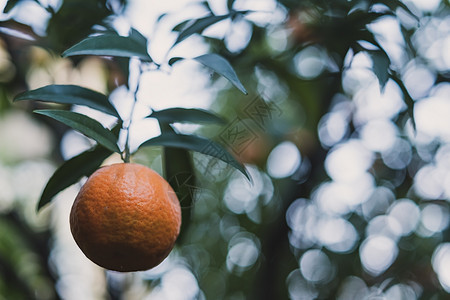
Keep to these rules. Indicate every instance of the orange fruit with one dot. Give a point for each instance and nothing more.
(126, 218)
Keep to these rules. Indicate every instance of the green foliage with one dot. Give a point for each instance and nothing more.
(85, 125)
(381, 63)
(10, 5)
(82, 15)
(71, 171)
(125, 47)
(70, 94)
(135, 45)
(218, 64)
(186, 115)
(23, 266)
(396, 4)
(409, 101)
(179, 171)
(198, 144)
(222, 67)
(198, 26)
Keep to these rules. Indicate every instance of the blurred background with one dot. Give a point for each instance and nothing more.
(350, 160)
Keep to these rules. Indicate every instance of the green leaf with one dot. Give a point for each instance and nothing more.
(161, 17)
(84, 124)
(381, 63)
(222, 67)
(230, 4)
(409, 101)
(198, 26)
(134, 45)
(361, 6)
(70, 94)
(179, 172)
(173, 60)
(72, 171)
(138, 37)
(366, 35)
(179, 27)
(198, 144)
(186, 115)
(206, 5)
(394, 4)
(10, 5)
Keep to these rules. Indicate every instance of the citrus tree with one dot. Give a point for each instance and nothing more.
(311, 179)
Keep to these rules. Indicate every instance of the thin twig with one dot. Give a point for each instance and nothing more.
(127, 155)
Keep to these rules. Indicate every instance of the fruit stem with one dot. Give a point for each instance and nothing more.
(127, 155)
(126, 159)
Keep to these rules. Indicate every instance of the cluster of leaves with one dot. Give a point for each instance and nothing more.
(176, 145)
(341, 27)
(83, 15)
